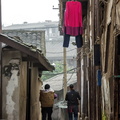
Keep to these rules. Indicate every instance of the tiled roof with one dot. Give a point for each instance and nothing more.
(54, 47)
(28, 49)
(39, 25)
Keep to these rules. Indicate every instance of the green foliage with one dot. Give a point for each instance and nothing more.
(58, 69)
(104, 117)
(46, 75)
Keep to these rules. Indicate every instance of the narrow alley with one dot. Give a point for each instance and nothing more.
(81, 49)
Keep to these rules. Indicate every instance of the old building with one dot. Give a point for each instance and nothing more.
(109, 41)
(22, 67)
(98, 59)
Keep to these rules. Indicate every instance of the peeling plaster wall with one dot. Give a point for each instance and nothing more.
(10, 77)
(11, 87)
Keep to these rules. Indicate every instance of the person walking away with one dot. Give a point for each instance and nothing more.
(47, 97)
(72, 98)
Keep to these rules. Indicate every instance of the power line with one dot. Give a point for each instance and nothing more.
(62, 72)
(58, 74)
(61, 52)
(71, 76)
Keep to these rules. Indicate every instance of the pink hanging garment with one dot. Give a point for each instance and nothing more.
(73, 18)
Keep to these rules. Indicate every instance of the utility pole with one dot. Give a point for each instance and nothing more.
(0, 66)
(65, 74)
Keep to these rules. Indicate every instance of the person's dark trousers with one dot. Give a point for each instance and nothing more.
(47, 111)
(78, 39)
(73, 110)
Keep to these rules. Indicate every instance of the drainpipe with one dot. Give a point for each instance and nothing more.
(0, 67)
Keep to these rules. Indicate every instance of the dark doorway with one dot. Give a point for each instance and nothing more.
(117, 80)
(28, 92)
(118, 38)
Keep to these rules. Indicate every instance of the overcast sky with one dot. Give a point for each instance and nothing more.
(31, 11)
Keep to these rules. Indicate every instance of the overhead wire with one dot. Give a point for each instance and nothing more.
(61, 72)
(71, 76)
(54, 43)
(61, 52)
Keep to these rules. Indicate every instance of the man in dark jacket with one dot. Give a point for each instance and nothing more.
(72, 98)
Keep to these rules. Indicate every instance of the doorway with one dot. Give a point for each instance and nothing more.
(28, 116)
(117, 80)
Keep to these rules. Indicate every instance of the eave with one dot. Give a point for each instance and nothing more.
(37, 54)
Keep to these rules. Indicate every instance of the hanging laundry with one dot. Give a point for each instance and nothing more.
(73, 23)
(78, 39)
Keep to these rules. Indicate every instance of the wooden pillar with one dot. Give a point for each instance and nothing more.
(79, 70)
(97, 38)
(79, 75)
(93, 75)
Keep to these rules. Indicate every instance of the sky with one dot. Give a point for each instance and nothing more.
(31, 11)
